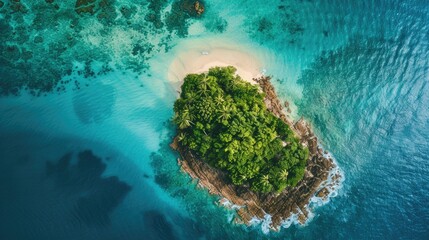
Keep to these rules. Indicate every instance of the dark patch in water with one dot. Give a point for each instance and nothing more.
(88, 72)
(37, 62)
(154, 15)
(264, 25)
(61, 167)
(180, 192)
(98, 196)
(216, 24)
(163, 180)
(104, 10)
(177, 20)
(128, 11)
(95, 208)
(283, 19)
(325, 33)
(41, 68)
(160, 228)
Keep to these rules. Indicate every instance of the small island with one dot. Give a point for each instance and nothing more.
(235, 139)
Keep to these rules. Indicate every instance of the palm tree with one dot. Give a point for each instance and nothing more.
(190, 96)
(181, 137)
(222, 163)
(224, 113)
(203, 89)
(184, 119)
(243, 177)
(205, 84)
(186, 113)
(230, 84)
(265, 180)
(219, 99)
(184, 123)
(232, 148)
(283, 174)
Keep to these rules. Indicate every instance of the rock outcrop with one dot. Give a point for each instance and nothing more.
(199, 8)
(279, 206)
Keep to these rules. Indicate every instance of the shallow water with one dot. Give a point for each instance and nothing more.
(91, 160)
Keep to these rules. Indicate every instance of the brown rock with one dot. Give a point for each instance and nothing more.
(336, 177)
(327, 163)
(323, 193)
(312, 145)
(175, 144)
(301, 127)
(308, 174)
(316, 182)
(286, 104)
(302, 218)
(199, 8)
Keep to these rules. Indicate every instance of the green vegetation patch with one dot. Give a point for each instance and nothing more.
(224, 121)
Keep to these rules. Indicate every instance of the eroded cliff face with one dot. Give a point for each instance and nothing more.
(319, 169)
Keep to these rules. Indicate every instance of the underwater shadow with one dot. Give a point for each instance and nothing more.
(97, 196)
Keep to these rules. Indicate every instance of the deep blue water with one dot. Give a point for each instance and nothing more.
(90, 160)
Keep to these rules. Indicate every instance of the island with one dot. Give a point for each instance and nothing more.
(234, 137)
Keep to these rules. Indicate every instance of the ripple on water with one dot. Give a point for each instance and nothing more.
(87, 105)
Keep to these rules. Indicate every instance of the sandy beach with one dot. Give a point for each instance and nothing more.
(199, 56)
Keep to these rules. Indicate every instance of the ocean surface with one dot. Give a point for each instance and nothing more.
(86, 103)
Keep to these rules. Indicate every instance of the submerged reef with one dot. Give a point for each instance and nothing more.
(181, 11)
(254, 199)
(47, 45)
(283, 18)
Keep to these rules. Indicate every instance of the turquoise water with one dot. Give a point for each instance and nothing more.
(90, 159)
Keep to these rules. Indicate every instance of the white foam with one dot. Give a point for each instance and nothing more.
(226, 203)
(332, 185)
(265, 223)
(293, 219)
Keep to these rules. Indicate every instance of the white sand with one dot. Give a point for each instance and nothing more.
(197, 56)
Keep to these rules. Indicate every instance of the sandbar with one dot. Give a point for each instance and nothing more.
(199, 56)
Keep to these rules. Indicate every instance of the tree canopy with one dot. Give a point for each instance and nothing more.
(224, 121)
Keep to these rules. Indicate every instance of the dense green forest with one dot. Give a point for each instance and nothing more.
(224, 121)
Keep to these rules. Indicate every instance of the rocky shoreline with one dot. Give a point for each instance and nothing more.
(321, 175)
